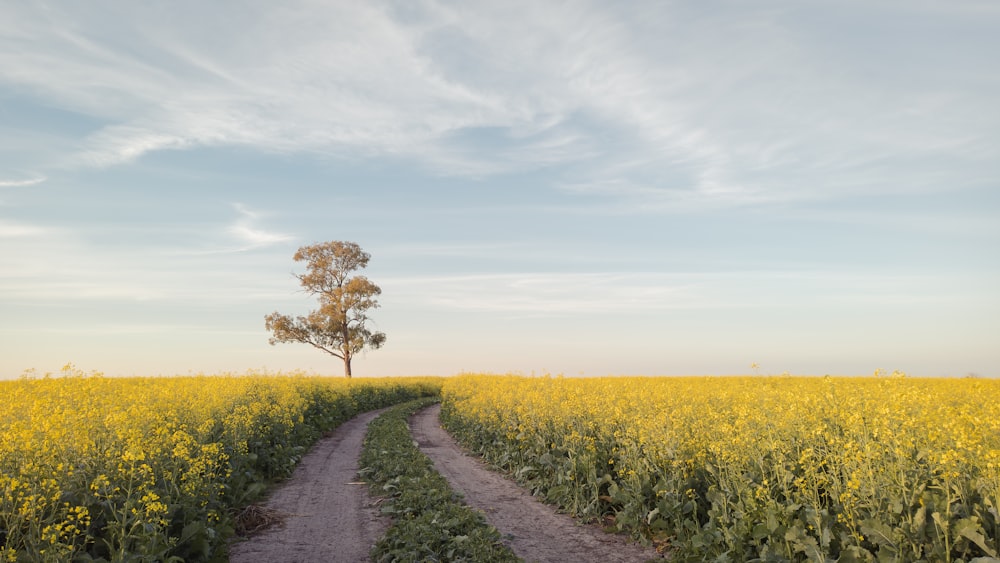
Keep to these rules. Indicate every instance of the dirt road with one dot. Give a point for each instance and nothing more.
(331, 518)
(533, 530)
(328, 516)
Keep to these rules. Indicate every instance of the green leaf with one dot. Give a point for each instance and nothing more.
(855, 554)
(772, 520)
(802, 542)
(887, 554)
(920, 520)
(524, 470)
(652, 514)
(970, 529)
(879, 533)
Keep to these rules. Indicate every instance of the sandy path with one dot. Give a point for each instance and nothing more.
(533, 530)
(329, 519)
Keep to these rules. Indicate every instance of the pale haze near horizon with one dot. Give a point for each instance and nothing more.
(583, 188)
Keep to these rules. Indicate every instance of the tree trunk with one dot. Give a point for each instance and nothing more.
(345, 347)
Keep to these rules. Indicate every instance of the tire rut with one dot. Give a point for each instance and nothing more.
(534, 531)
(328, 515)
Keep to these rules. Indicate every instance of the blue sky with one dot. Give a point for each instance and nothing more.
(574, 187)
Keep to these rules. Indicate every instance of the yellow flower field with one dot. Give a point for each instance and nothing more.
(754, 468)
(147, 469)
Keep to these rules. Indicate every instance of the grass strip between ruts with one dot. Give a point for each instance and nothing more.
(430, 523)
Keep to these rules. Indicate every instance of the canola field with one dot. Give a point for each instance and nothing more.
(754, 468)
(150, 469)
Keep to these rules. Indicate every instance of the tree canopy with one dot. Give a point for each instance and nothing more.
(339, 325)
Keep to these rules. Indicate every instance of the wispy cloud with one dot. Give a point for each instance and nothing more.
(13, 229)
(121, 144)
(21, 183)
(246, 230)
(547, 293)
(132, 329)
(533, 294)
(257, 237)
(123, 274)
(640, 102)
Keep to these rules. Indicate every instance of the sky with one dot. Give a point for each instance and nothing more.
(577, 188)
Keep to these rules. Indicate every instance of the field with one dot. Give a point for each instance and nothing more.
(705, 468)
(754, 468)
(150, 469)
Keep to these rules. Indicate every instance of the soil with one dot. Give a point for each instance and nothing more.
(325, 511)
(533, 530)
(326, 514)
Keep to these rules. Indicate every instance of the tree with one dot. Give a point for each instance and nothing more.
(338, 326)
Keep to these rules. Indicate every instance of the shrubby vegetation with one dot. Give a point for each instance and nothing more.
(754, 469)
(721, 469)
(149, 469)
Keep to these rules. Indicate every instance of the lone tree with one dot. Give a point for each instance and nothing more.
(338, 326)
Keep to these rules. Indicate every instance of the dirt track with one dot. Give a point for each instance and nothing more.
(330, 518)
(327, 516)
(533, 530)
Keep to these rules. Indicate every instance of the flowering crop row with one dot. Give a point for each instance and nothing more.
(754, 469)
(147, 469)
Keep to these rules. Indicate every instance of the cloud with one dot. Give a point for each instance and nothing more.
(258, 237)
(11, 229)
(640, 103)
(21, 183)
(245, 230)
(581, 294)
(121, 144)
(535, 294)
(127, 273)
(132, 329)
